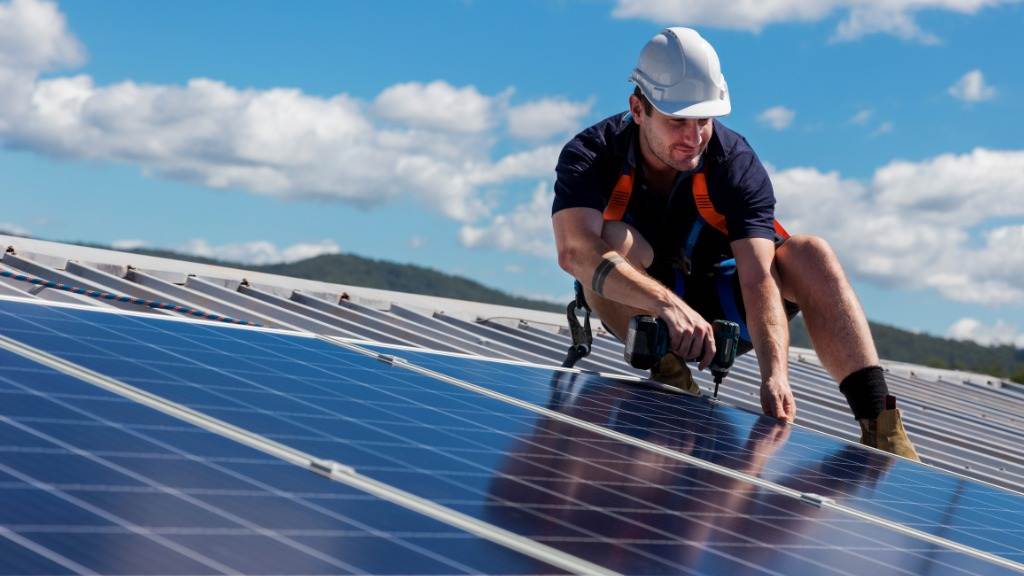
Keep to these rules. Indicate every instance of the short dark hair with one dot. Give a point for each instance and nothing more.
(643, 100)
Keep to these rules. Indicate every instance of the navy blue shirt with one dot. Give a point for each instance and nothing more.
(738, 187)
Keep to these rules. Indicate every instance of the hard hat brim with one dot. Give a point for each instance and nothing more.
(707, 109)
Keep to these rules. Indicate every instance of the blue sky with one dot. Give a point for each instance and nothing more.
(426, 132)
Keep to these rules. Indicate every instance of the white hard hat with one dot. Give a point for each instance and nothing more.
(680, 74)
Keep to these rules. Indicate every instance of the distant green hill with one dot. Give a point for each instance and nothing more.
(893, 343)
(359, 271)
(896, 344)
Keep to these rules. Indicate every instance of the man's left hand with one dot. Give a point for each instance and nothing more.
(777, 400)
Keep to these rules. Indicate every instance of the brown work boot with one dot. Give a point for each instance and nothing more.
(886, 432)
(673, 371)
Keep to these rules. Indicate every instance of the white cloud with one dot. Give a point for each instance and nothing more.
(883, 128)
(862, 117)
(547, 117)
(777, 117)
(34, 37)
(971, 87)
(861, 17)
(999, 333)
(432, 142)
(13, 229)
(128, 244)
(526, 229)
(437, 105)
(913, 224)
(258, 253)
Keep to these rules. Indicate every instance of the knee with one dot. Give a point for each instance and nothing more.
(625, 240)
(805, 250)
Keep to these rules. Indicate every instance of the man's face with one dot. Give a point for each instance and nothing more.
(669, 142)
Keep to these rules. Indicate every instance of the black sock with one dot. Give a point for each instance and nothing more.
(865, 392)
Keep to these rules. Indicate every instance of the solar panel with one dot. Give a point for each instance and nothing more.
(615, 503)
(975, 514)
(93, 483)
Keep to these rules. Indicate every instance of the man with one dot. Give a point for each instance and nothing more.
(664, 211)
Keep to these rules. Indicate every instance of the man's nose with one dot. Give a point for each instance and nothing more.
(691, 134)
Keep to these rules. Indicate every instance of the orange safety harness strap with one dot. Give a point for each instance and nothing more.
(617, 204)
(619, 201)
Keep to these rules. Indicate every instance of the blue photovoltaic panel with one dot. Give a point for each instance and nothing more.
(609, 502)
(90, 481)
(956, 508)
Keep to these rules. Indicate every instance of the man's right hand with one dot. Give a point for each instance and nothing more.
(690, 335)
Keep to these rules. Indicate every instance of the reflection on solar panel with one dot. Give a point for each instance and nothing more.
(617, 476)
(969, 512)
(91, 482)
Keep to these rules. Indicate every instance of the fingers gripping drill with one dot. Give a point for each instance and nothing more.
(648, 340)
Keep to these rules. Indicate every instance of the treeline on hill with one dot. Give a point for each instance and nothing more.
(369, 273)
(893, 343)
(904, 346)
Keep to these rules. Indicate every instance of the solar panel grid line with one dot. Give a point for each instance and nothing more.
(524, 545)
(581, 423)
(335, 471)
(360, 526)
(803, 496)
(843, 422)
(698, 376)
(158, 403)
(527, 546)
(334, 309)
(316, 507)
(45, 552)
(173, 531)
(131, 527)
(883, 521)
(425, 407)
(272, 534)
(301, 309)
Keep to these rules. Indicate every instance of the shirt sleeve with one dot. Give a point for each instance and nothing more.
(580, 175)
(750, 204)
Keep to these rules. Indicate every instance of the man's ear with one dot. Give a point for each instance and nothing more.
(636, 108)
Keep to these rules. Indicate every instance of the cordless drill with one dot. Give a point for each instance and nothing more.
(648, 340)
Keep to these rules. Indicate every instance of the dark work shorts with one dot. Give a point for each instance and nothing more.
(720, 298)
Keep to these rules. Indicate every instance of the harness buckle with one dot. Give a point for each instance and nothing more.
(582, 337)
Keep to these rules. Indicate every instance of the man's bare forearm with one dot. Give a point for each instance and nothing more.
(769, 329)
(611, 276)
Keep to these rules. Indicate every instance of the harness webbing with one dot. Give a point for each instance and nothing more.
(706, 209)
(616, 208)
(126, 299)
